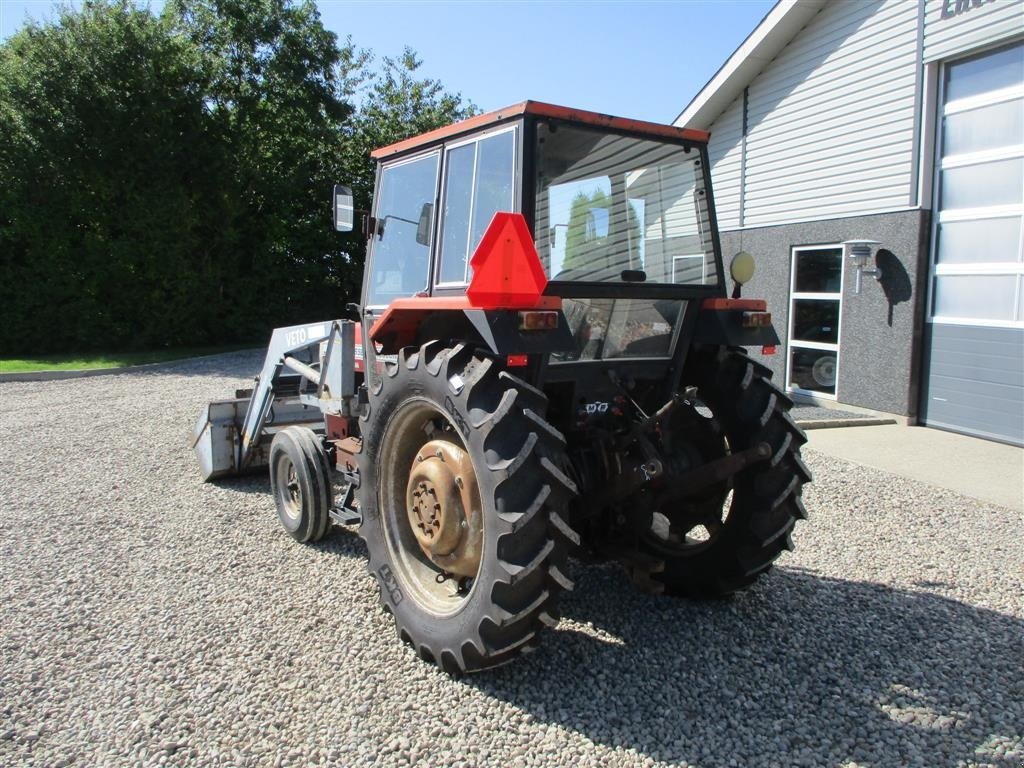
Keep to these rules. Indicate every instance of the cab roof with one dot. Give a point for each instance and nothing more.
(543, 110)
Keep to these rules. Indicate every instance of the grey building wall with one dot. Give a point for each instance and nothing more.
(725, 153)
(954, 26)
(880, 342)
(829, 122)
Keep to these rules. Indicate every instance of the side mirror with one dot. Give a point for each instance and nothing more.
(344, 211)
(423, 227)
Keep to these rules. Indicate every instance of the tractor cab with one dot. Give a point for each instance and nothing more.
(619, 221)
(610, 202)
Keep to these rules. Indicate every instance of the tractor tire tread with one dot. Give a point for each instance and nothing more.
(753, 410)
(517, 454)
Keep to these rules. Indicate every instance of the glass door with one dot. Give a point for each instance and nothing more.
(815, 306)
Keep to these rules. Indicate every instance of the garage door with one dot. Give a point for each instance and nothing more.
(974, 368)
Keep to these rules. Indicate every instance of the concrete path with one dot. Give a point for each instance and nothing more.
(816, 417)
(982, 469)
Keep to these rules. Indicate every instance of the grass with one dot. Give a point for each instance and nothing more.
(77, 362)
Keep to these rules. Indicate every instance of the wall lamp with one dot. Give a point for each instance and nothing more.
(859, 252)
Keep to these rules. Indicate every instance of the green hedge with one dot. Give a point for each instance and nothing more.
(166, 179)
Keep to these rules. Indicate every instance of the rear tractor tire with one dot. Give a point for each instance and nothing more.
(461, 494)
(300, 480)
(723, 539)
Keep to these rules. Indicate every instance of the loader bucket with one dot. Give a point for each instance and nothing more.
(215, 439)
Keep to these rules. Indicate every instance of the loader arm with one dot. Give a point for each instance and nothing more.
(232, 436)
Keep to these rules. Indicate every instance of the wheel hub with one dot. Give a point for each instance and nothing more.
(291, 492)
(443, 502)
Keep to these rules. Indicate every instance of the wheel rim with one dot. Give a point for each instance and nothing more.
(824, 371)
(430, 508)
(288, 490)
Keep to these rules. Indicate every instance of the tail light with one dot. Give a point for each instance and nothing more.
(756, 319)
(538, 320)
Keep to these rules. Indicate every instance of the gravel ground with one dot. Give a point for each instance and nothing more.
(150, 619)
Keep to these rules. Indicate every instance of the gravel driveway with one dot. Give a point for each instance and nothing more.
(148, 618)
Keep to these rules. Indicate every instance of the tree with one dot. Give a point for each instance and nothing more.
(595, 238)
(585, 236)
(166, 180)
(102, 119)
(276, 88)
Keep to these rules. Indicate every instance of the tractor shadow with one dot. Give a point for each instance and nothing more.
(803, 668)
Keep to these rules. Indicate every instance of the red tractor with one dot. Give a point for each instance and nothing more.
(546, 363)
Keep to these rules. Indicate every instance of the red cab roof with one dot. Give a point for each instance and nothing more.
(543, 110)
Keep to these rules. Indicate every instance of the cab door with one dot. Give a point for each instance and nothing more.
(399, 250)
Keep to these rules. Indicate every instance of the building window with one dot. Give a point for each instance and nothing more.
(815, 306)
(978, 254)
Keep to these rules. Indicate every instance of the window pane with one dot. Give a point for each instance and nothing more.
(997, 125)
(819, 271)
(608, 205)
(640, 328)
(688, 269)
(578, 216)
(986, 73)
(816, 320)
(978, 186)
(458, 196)
(813, 370)
(399, 264)
(479, 183)
(975, 297)
(613, 328)
(984, 240)
(494, 180)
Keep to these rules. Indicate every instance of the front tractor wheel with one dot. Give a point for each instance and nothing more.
(300, 480)
(721, 537)
(461, 497)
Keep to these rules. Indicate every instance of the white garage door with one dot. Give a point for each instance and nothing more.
(974, 372)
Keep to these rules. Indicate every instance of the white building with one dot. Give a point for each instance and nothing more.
(899, 122)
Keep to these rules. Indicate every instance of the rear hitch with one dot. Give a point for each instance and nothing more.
(714, 472)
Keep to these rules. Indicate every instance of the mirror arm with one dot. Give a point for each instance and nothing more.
(399, 218)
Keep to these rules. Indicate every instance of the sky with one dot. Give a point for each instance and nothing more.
(643, 60)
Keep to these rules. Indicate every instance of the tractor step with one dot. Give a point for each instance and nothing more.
(345, 516)
(346, 513)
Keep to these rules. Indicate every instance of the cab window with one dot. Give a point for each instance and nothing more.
(400, 260)
(479, 182)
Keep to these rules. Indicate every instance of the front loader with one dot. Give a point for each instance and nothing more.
(547, 362)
